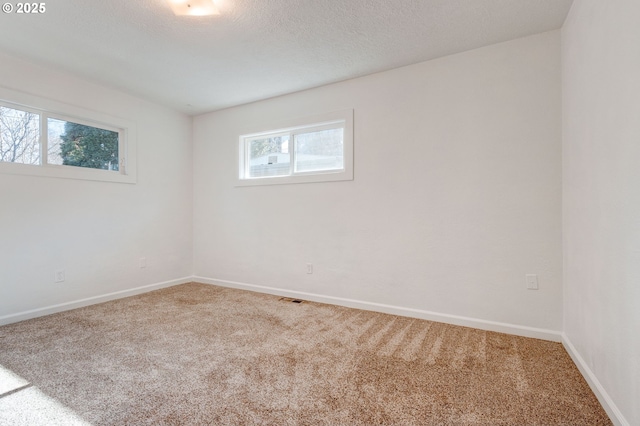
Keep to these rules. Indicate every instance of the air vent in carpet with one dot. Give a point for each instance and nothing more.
(289, 299)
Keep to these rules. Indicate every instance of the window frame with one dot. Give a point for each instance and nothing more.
(47, 108)
(246, 141)
(338, 119)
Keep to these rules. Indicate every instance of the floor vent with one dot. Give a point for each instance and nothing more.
(289, 299)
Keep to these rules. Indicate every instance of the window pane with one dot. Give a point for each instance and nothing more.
(19, 136)
(73, 144)
(55, 128)
(269, 156)
(317, 151)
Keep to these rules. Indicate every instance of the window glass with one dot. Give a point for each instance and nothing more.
(79, 145)
(19, 136)
(322, 150)
(269, 156)
(54, 129)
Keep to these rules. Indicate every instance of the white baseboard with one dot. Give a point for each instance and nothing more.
(609, 406)
(518, 330)
(34, 313)
(605, 400)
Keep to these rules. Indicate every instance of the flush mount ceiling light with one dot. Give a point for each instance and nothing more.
(194, 7)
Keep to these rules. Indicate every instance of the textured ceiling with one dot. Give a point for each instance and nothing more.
(257, 49)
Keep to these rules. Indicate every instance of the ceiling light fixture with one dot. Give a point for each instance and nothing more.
(194, 7)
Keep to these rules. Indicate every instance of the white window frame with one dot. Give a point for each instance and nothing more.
(47, 108)
(338, 119)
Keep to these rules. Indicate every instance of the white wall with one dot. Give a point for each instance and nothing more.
(471, 203)
(96, 231)
(456, 195)
(601, 207)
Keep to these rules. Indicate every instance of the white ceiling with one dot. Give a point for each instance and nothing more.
(258, 49)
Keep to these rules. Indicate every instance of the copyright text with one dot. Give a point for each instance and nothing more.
(26, 8)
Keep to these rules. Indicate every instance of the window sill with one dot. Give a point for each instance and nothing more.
(310, 178)
(65, 172)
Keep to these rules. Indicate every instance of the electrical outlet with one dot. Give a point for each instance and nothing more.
(309, 268)
(532, 281)
(59, 276)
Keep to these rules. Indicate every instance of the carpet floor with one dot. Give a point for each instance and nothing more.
(198, 354)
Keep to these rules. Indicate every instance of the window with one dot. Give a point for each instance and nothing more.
(315, 149)
(38, 141)
(79, 145)
(19, 136)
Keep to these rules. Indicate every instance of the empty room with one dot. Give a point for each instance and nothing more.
(411, 212)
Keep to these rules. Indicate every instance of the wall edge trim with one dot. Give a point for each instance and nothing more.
(605, 400)
(518, 330)
(80, 303)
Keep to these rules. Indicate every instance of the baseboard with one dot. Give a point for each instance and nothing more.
(34, 313)
(607, 403)
(605, 400)
(518, 330)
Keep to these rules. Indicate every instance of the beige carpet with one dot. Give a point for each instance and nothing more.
(196, 354)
